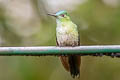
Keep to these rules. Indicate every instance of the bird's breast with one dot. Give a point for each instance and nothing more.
(66, 37)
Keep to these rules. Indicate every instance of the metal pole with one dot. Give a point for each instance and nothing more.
(109, 50)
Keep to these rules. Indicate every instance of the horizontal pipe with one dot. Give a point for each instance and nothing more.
(109, 50)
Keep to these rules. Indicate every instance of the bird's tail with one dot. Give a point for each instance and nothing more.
(74, 64)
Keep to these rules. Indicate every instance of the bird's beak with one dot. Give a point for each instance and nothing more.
(52, 15)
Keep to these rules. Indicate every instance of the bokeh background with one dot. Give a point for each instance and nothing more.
(25, 23)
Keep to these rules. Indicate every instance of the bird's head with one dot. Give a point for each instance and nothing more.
(61, 16)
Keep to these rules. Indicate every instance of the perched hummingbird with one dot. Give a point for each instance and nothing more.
(67, 35)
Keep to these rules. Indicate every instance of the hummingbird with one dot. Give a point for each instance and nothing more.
(67, 35)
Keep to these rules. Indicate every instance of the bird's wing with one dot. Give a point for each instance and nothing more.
(64, 59)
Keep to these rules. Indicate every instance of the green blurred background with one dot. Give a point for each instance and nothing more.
(25, 23)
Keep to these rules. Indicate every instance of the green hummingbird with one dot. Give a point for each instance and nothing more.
(67, 35)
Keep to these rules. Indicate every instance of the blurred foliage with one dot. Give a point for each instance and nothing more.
(25, 23)
(6, 33)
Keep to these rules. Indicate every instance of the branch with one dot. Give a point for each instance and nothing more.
(108, 50)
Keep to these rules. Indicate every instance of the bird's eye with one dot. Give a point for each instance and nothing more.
(62, 15)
